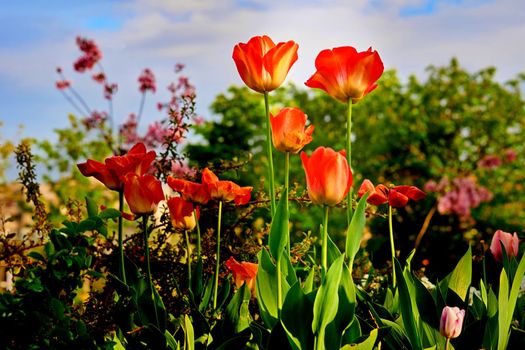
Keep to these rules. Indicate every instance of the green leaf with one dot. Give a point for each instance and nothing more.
(327, 301)
(89, 224)
(355, 230)
(309, 283)
(278, 239)
(265, 288)
(461, 278)
(296, 307)
(37, 256)
(368, 344)
(170, 340)
(237, 312)
(189, 339)
(91, 207)
(406, 308)
(333, 252)
(109, 213)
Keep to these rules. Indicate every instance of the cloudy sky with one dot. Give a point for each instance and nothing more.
(37, 36)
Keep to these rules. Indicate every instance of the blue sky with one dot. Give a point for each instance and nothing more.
(37, 36)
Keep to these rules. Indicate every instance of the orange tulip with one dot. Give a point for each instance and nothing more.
(396, 197)
(243, 272)
(190, 191)
(262, 64)
(143, 193)
(328, 176)
(345, 73)
(111, 173)
(225, 191)
(288, 130)
(181, 213)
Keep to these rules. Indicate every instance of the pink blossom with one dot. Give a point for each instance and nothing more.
(489, 162)
(91, 56)
(182, 170)
(147, 81)
(63, 84)
(179, 67)
(95, 120)
(99, 77)
(110, 90)
(510, 155)
(451, 322)
(128, 130)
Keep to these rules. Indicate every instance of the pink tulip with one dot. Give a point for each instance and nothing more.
(451, 321)
(510, 242)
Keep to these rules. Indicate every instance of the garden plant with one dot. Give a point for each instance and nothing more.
(277, 234)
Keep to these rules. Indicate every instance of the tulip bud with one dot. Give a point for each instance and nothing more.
(289, 131)
(510, 242)
(451, 322)
(142, 193)
(181, 213)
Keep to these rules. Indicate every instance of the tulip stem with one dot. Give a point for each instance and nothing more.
(148, 268)
(120, 238)
(325, 242)
(198, 233)
(391, 231)
(188, 256)
(350, 194)
(269, 154)
(279, 286)
(218, 257)
(287, 187)
(446, 343)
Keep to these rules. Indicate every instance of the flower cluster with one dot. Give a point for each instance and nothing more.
(147, 81)
(493, 161)
(91, 55)
(458, 196)
(95, 120)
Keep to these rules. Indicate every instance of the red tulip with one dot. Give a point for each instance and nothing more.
(262, 64)
(288, 130)
(243, 272)
(181, 213)
(345, 73)
(451, 322)
(111, 173)
(225, 191)
(328, 176)
(396, 197)
(190, 191)
(510, 242)
(143, 193)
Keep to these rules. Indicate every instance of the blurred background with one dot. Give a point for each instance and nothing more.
(448, 115)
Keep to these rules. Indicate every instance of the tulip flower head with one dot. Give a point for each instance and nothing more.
(396, 197)
(345, 73)
(190, 191)
(225, 191)
(509, 241)
(288, 130)
(451, 322)
(262, 64)
(181, 213)
(111, 173)
(143, 193)
(328, 176)
(243, 272)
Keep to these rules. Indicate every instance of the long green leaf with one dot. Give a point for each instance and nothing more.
(327, 301)
(189, 342)
(278, 239)
(297, 307)
(237, 313)
(406, 308)
(368, 344)
(461, 278)
(355, 230)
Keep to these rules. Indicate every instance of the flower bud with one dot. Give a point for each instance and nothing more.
(451, 322)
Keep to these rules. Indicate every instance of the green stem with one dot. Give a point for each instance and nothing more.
(199, 249)
(393, 250)
(279, 287)
(148, 268)
(325, 242)
(218, 258)
(287, 186)
(269, 154)
(446, 343)
(350, 194)
(188, 257)
(120, 238)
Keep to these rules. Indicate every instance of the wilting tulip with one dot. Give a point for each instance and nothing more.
(190, 191)
(509, 241)
(181, 213)
(262, 64)
(143, 193)
(288, 130)
(396, 197)
(243, 272)
(345, 73)
(328, 176)
(111, 173)
(225, 191)
(451, 322)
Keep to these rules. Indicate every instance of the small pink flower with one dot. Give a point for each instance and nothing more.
(147, 81)
(490, 161)
(509, 241)
(99, 77)
(110, 90)
(63, 84)
(451, 322)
